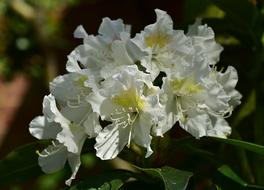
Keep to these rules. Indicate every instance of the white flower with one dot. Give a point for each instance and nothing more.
(54, 157)
(106, 53)
(130, 102)
(204, 42)
(221, 97)
(228, 80)
(54, 126)
(200, 123)
(165, 47)
(111, 78)
(201, 103)
(68, 127)
(70, 93)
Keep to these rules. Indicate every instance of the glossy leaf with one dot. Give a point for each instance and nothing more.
(111, 180)
(259, 149)
(171, 177)
(241, 144)
(236, 182)
(247, 108)
(243, 19)
(20, 165)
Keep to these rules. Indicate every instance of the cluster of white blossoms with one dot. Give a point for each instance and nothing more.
(109, 92)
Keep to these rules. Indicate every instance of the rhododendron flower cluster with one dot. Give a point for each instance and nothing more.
(112, 77)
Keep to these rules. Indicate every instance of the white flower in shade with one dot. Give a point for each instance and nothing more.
(203, 41)
(106, 53)
(70, 93)
(54, 157)
(200, 104)
(164, 46)
(68, 127)
(50, 126)
(111, 78)
(130, 102)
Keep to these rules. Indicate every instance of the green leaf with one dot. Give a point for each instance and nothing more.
(228, 173)
(243, 159)
(247, 109)
(259, 149)
(110, 180)
(114, 184)
(171, 177)
(20, 165)
(245, 21)
(241, 144)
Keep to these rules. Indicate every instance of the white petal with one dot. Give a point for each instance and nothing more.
(181, 43)
(95, 99)
(80, 32)
(92, 125)
(78, 114)
(216, 98)
(220, 128)
(69, 89)
(228, 80)
(134, 51)
(151, 67)
(164, 124)
(142, 133)
(107, 108)
(110, 141)
(110, 29)
(72, 64)
(53, 158)
(203, 38)
(51, 111)
(197, 124)
(42, 129)
(164, 20)
(72, 136)
(75, 163)
(120, 53)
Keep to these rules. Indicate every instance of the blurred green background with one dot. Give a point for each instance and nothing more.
(37, 35)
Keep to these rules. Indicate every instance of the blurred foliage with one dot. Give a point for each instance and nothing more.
(27, 28)
(30, 32)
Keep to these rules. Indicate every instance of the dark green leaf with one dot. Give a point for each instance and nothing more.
(227, 171)
(171, 177)
(111, 180)
(244, 20)
(236, 182)
(20, 165)
(247, 108)
(241, 144)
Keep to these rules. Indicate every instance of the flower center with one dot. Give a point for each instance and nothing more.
(156, 39)
(129, 99)
(185, 87)
(131, 104)
(81, 80)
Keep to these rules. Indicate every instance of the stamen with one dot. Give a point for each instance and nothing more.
(40, 155)
(129, 137)
(225, 113)
(74, 102)
(53, 149)
(53, 143)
